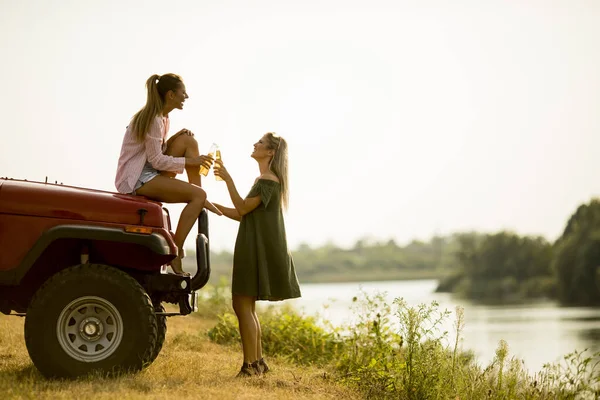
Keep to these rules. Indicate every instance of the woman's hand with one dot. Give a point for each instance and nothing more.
(221, 171)
(205, 161)
(184, 132)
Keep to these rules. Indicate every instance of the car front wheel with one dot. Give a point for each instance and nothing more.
(90, 318)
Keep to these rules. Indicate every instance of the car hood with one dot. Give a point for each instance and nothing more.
(69, 202)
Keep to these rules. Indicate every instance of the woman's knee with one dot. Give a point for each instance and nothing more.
(241, 305)
(186, 141)
(238, 307)
(198, 195)
(180, 146)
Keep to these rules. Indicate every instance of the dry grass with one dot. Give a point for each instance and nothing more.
(189, 366)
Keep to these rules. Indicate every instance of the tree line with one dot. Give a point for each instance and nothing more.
(508, 267)
(366, 260)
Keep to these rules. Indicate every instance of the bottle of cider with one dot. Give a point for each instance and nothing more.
(218, 157)
(211, 153)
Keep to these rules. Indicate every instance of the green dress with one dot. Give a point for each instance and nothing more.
(262, 265)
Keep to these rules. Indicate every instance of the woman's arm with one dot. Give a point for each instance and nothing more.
(229, 212)
(153, 145)
(243, 206)
(162, 162)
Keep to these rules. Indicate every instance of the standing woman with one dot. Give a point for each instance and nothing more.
(263, 268)
(148, 162)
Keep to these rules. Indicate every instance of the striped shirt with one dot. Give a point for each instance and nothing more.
(134, 155)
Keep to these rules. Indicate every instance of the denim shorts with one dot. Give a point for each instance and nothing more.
(148, 173)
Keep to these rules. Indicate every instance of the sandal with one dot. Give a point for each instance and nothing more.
(257, 367)
(177, 267)
(246, 371)
(263, 364)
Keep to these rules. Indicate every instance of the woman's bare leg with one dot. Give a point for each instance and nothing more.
(258, 333)
(169, 190)
(185, 146)
(242, 305)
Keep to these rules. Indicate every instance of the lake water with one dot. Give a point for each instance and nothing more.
(536, 333)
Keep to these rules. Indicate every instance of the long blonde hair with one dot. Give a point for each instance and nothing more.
(279, 165)
(158, 86)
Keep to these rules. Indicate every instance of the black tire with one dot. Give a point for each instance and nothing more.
(90, 318)
(161, 323)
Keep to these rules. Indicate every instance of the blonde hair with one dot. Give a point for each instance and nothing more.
(279, 165)
(158, 86)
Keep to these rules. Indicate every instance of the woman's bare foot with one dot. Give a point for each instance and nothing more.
(177, 267)
(211, 207)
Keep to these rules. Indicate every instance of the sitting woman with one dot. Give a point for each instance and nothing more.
(148, 161)
(263, 268)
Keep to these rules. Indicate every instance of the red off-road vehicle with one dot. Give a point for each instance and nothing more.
(87, 269)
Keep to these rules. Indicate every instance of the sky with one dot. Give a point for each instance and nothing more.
(405, 119)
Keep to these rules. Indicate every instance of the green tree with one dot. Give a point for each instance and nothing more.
(577, 257)
(501, 266)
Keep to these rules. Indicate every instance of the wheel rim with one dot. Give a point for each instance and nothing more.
(89, 329)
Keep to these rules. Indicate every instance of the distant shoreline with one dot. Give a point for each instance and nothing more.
(376, 276)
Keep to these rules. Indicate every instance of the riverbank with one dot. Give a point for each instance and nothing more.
(392, 350)
(400, 350)
(536, 332)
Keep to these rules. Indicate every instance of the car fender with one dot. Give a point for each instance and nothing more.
(154, 242)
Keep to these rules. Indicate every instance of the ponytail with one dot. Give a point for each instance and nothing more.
(157, 87)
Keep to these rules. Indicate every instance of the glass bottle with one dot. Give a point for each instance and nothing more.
(211, 153)
(218, 157)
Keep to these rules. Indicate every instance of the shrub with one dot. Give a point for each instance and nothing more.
(397, 351)
(417, 364)
(215, 300)
(286, 333)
